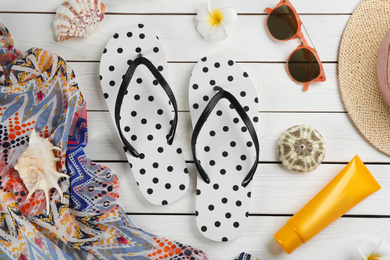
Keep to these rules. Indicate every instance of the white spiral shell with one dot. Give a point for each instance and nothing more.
(37, 167)
(78, 18)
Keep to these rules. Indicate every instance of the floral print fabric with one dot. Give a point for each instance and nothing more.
(38, 91)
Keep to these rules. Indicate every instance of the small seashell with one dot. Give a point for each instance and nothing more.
(301, 148)
(78, 18)
(37, 167)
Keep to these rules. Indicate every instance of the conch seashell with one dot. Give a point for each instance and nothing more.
(301, 148)
(78, 18)
(37, 167)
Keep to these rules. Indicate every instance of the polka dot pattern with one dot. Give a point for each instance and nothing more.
(160, 171)
(15, 134)
(224, 147)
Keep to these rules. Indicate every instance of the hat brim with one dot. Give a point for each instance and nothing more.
(357, 73)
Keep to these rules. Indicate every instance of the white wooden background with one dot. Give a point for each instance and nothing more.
(277, 193)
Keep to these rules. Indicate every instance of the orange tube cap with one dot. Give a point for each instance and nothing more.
(288, 239)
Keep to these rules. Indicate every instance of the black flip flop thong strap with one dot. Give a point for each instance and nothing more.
(121, 93)
(244, 116)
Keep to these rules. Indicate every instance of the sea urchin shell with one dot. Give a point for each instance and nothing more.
(301, 148)
(78, 18)
(37, 167)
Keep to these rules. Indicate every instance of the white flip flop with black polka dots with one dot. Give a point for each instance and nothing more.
(133, 76)
(224, 114)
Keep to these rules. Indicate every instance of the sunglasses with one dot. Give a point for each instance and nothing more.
(303, 64)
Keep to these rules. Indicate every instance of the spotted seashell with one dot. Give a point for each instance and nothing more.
(301, 148)
(37, 167)
(78, 18)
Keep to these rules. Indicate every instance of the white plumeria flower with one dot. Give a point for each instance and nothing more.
(370, 251)
(212, 19)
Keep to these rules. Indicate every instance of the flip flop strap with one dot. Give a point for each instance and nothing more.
(244, 117)
(121, 93)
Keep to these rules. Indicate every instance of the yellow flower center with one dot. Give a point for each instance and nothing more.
(215, 18)
(374, 257)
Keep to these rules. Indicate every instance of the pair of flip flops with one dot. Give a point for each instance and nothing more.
(223, 108)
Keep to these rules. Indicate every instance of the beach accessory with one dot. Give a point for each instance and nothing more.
(353, 184)
(78, 18)
(303, 64)
(357, 73)
(224, 115)
(39, 92)
(134, 79)
(301, 148)
(212, 19)
(8, 52)
(37, 167)
(369, 250)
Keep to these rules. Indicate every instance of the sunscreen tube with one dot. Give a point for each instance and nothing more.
(353, 184)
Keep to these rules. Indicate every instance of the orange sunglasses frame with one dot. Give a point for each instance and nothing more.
(304, 44)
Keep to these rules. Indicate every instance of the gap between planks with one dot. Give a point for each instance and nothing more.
(252, 215)
(194, 62)
(113, 13)
(260, 111)
(259, 162)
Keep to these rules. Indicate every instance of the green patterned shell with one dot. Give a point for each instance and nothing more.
(301, 148)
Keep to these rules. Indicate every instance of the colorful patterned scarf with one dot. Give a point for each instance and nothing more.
(38, 91)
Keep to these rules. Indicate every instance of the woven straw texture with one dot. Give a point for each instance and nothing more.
(358, 81)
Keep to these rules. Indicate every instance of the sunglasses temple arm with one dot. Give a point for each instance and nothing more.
(306, 87)
(302, 38)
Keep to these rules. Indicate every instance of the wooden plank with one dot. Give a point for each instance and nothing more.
(276, 91)
(343, 140)
(275, 190)
(338, 241)
(179, 6)
(180, 38)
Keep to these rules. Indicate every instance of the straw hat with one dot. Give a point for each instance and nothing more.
(358, 81)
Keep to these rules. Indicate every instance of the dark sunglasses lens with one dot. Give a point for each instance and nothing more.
(282, 23)
(303, 65)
